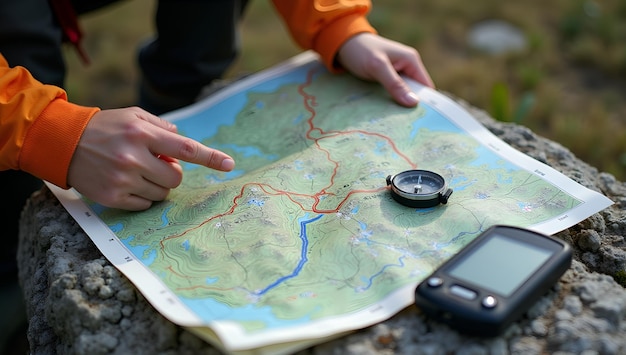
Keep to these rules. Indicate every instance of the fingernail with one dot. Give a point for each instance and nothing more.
(411, 98)
(228, 164)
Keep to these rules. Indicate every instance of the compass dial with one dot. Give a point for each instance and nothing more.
(418, 183)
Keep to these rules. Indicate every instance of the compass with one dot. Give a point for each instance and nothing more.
(419, 188)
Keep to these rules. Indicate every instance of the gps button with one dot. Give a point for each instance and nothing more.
(463, 292)
(489, 302)
(435, 281)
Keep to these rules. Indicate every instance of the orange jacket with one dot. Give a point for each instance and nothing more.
(323, 25)
(40, 129)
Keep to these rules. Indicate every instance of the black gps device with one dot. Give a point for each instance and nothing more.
(494, 280)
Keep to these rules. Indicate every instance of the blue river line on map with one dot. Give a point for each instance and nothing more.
(303, 257)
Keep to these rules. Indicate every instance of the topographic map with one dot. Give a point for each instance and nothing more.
(302, 241)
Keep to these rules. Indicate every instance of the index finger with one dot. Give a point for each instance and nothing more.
(179, 147)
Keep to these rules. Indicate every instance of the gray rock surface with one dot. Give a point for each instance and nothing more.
(78, 303)
(496, 37)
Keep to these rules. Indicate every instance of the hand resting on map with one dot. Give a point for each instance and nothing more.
(127, 158)
(371, 57)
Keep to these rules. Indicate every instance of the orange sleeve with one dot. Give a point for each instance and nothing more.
(39, 129)
(324, 25)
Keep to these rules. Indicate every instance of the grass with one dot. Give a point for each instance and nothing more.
(569, 84)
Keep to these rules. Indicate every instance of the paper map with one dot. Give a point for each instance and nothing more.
(302, 241)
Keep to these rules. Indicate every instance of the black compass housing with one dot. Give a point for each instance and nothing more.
(419, 188)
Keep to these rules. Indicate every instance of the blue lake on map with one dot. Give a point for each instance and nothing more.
(205, 123)
(210, 310)
(434, 121)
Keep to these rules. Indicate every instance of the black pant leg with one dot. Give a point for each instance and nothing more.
(31, 37)
(195, 44)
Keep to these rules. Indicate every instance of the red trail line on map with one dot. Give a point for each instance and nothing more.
(310, 102)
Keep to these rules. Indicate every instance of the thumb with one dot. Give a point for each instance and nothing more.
(395, 85)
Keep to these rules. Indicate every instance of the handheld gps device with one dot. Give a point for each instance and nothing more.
(494, 280)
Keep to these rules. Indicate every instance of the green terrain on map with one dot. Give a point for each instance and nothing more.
(307, 228)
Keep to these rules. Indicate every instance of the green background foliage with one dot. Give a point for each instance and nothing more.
(568, 85)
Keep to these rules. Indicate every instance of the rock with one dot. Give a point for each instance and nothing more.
(78, 303)
(496, 37)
